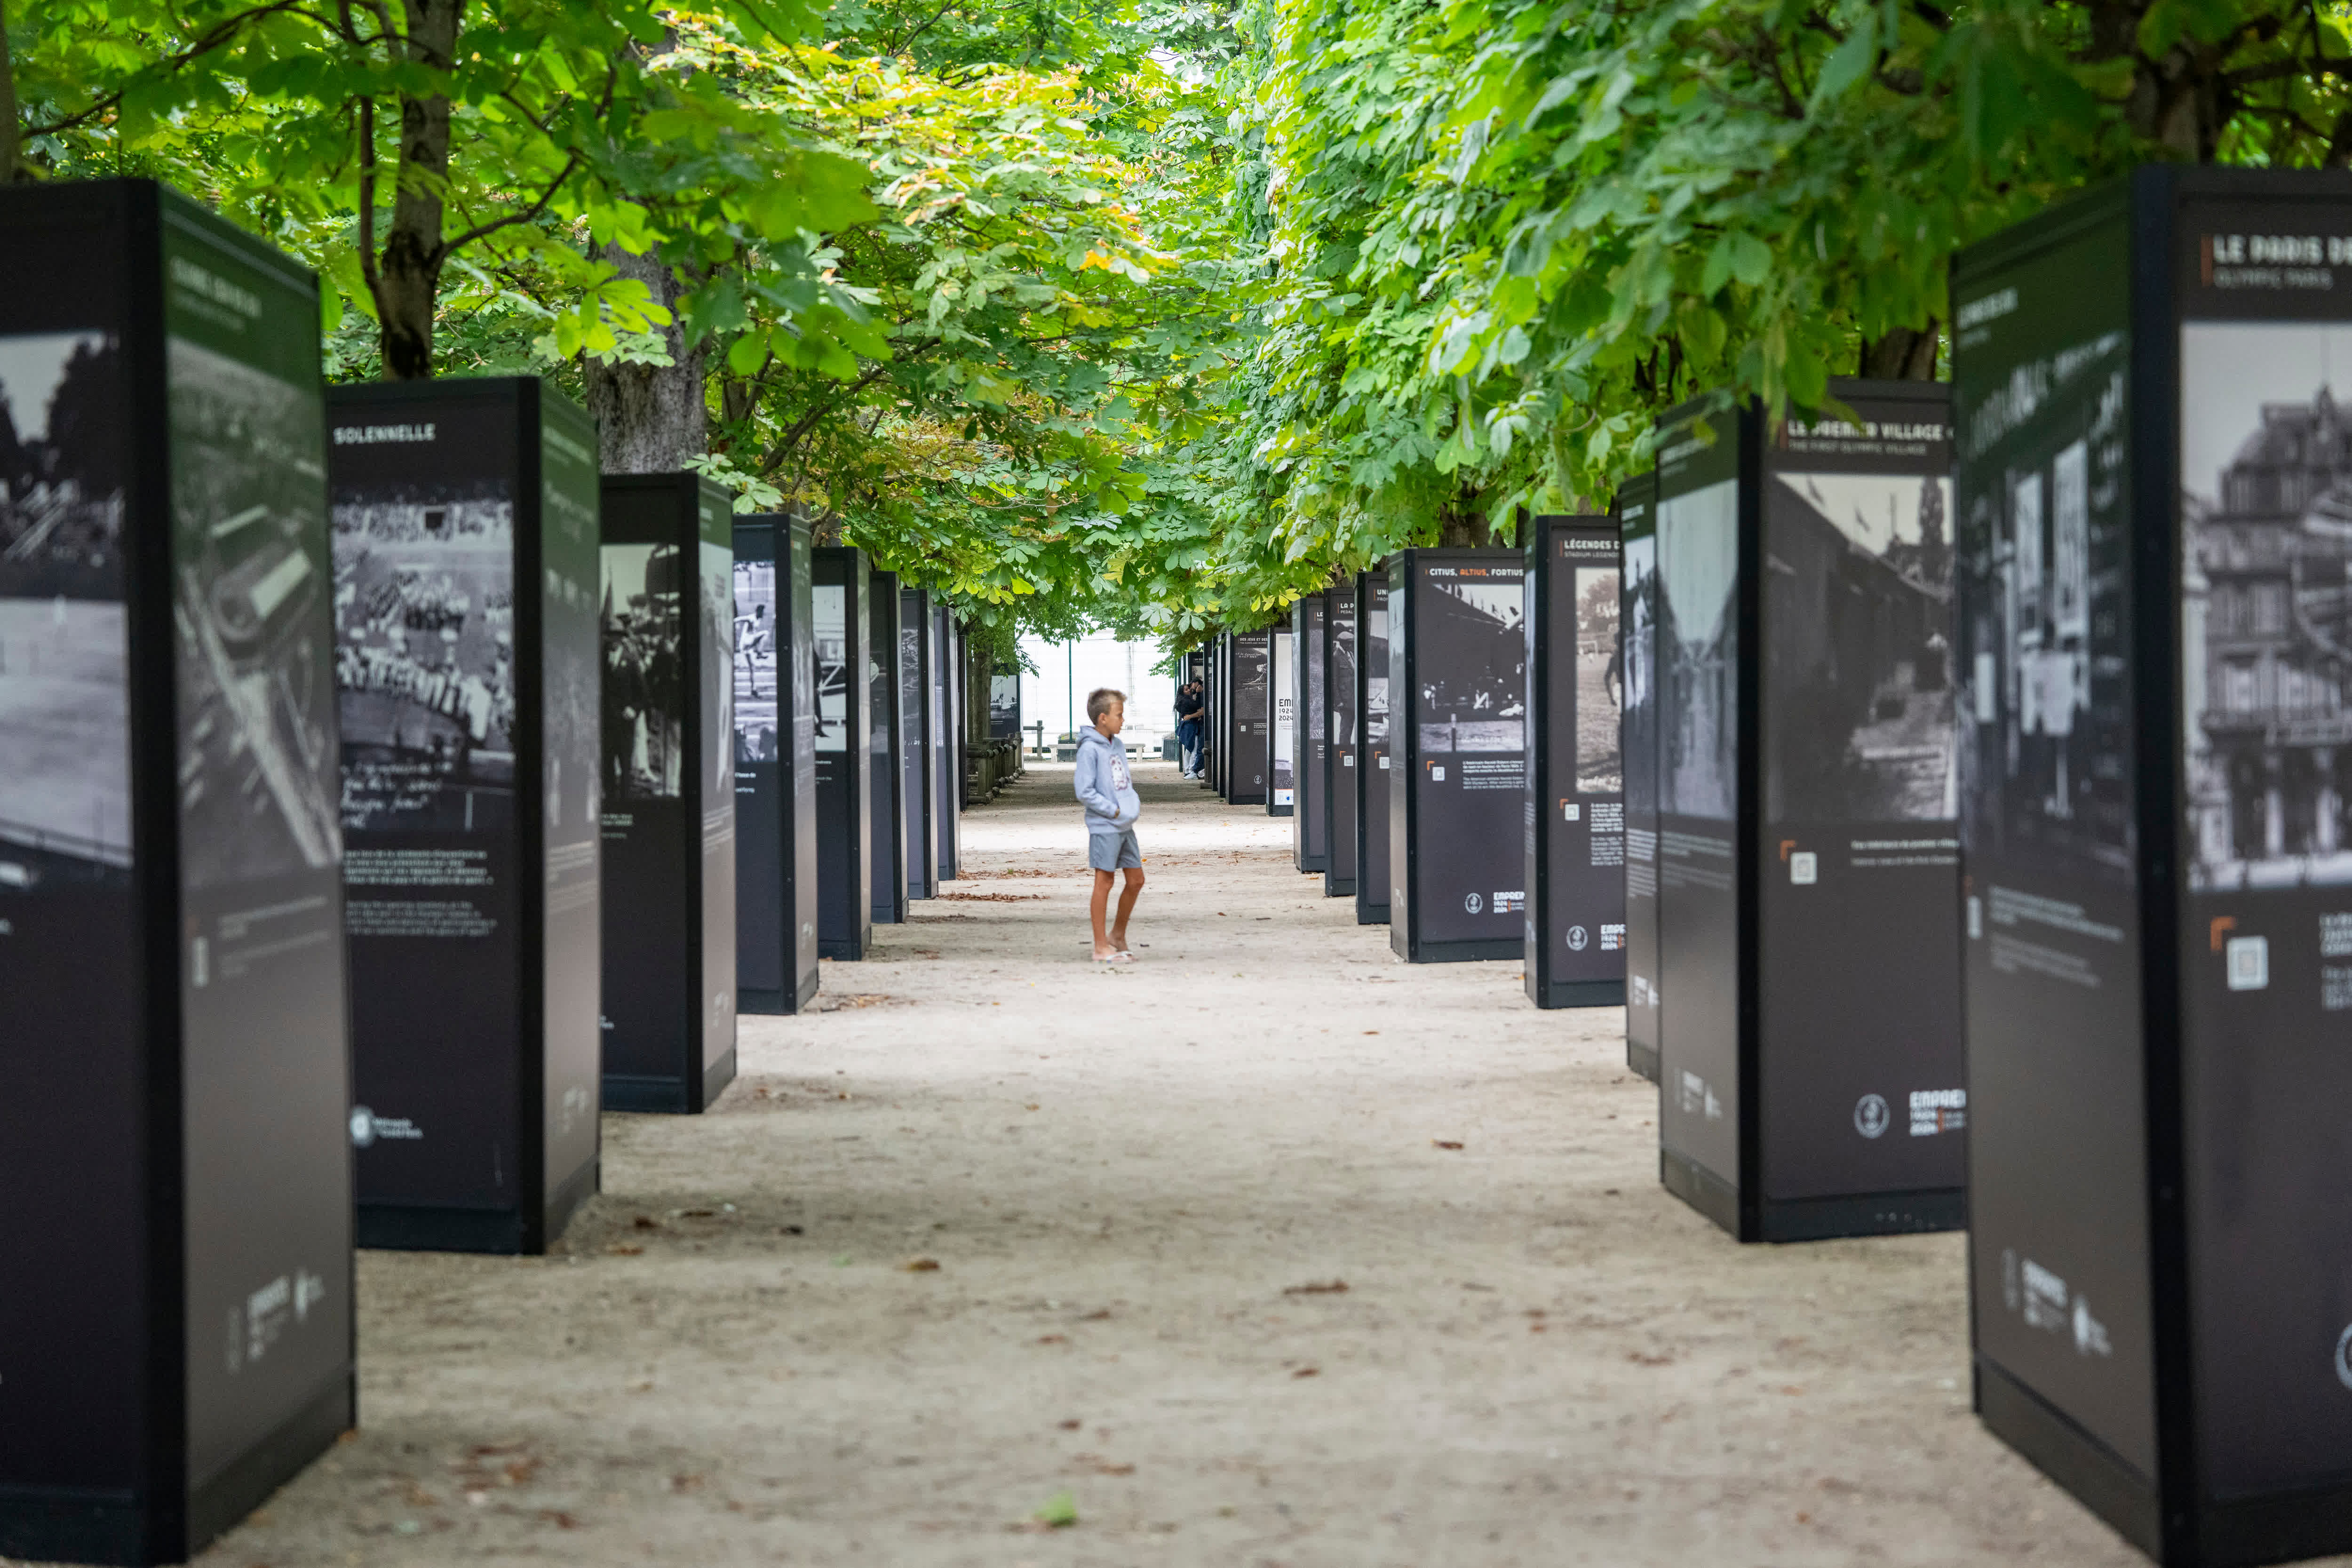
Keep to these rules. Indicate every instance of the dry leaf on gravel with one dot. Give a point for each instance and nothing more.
(1446, 1143)
(618, 1250)
(921, 1266)
(1309, 1372)
(1319, 1287)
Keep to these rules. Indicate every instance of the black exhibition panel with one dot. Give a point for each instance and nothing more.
(1221, 715)
(1637, 530)
(175, 1172)
(1282, 722)
(1250, 655)
(1575, 807)
(669, 783)
(844, 825)
(1373, 766)
(1310, 822)
(1809, 1041)
(776, 802)
(887, 772)
(1457, 667)
(2153, 554)
(464, 526)
(947, 736)
(915, 749)
(1342, 744)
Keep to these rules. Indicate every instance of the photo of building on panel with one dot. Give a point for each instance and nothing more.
(1698, 651)
(425, 654)
(259, 768)
(2266, 611)
(756, 738)
(1475, 632)
(643, 691)
(1858, 677)
(65, 716)
(1600, 682)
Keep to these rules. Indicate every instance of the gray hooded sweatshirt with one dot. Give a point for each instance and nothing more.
(1104, 788)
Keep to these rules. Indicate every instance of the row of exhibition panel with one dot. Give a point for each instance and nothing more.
(1958, 790)
(384, 793)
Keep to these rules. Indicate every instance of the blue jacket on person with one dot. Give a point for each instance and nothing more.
(1103, 785)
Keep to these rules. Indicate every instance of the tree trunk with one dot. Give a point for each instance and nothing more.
(1460, 530)
(409, 281)
(650, 418)
(1901, 355)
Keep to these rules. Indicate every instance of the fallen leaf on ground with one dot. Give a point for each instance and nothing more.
(1095, 1317)
(1053, 1339)
(1309, 1372)
(921, 1266)
(1060, 1512)
(1446, 1143)
(1071, 1426)
(1319, 1287)
(646, 1222)
(1644, 1358)
(618, 1250)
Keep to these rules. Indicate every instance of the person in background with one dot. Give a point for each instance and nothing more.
(1190, 710)
(1107, 790)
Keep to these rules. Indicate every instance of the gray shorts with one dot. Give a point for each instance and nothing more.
(1109, 851)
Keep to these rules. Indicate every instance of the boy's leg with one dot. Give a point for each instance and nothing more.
(1127, 897)
(1103, 946)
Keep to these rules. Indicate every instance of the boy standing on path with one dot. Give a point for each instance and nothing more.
(1108, 792)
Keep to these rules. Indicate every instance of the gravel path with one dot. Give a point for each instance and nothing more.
(1270, 1251)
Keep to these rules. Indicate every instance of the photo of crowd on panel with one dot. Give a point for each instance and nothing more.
(425, 632)
(65, 773)
(644, 700)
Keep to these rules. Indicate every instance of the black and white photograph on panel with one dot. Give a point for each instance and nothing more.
(1637, 733)
(261, 769)
(2266, 617)
(755, 662)
(64, 699)
(644, 694)
(1477, 700)
(1698, 651)
(717, 575)
(425, 632)
(2046, 683)
(1858, 675)
(1003, 706)
(829, 618)
(1600, 683)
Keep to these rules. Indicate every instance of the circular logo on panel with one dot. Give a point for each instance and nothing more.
(1472, 902)
(1870, 1115)
(362, 1127)
(1576, 939)
(2344, 1358)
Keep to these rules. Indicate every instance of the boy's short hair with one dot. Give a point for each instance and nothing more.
(1099, 700)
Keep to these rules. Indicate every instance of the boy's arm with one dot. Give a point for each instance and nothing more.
(1090, 791)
